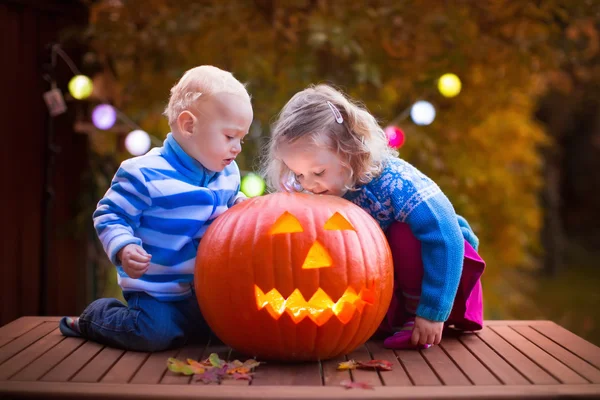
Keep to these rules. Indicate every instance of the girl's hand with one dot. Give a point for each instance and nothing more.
(134, 260)
(426, 331)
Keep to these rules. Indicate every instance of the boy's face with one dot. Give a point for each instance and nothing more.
(222, 121)
(317, 169)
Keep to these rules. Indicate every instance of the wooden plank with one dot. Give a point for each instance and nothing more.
(529, 369)
(154, 368)
(443, 366)
(580, 366)
(19, 326)
(54, 356)
(30, 354)
(417, 368)
(571, 342)
(195, 352)
(525, 322)
(331, 375)
(372, 378)
(295, 374)
(99, 365)
(73, 363)
(125, 368)
(4, 340)
(397, 376)
(500, 368)
(553, 366)
(477, 372)
(25, 340)
(98, 390)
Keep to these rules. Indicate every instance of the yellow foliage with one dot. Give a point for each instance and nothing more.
(483, 148)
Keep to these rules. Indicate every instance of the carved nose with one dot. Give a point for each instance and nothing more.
(317, 257)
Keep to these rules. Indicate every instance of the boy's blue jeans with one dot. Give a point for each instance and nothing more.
(144, 324)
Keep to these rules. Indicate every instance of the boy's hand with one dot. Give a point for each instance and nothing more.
(134, 260)
(426, 331)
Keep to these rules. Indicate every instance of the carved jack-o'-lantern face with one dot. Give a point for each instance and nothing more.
(294, 276)
(320, 307)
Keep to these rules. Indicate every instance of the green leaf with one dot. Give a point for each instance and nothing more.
(215, 361)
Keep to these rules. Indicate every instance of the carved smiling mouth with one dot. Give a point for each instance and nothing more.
(320, 308)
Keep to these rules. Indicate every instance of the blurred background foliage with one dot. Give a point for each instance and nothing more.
(516, 152)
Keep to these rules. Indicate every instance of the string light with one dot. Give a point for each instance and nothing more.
(395, 136)
(80, 87)
(422, 113)
(104, 116)
(449, 85)
(137, 142)
(252, 185)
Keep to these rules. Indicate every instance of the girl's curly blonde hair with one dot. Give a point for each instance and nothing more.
(359, 141)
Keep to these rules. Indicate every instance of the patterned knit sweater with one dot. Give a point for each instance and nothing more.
(403, 193)
(163, 201)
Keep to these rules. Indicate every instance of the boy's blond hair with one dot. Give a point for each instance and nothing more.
(359, 141)
(200, 81)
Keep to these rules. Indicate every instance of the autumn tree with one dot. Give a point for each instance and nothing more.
(484, 146)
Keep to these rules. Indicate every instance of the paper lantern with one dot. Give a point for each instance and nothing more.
(294, 276)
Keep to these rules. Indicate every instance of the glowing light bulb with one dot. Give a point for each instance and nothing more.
(137, 142)
(104, 116)
(449, 85)
(80, 87)
(395, 136)
(422, 112)
(252, 185)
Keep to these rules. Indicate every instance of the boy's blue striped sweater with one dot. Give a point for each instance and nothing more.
(402, 193)
(163, 201)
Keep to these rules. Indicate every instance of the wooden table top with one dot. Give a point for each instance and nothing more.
(508, 359)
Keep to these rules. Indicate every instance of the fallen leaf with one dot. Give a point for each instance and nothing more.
(378, 365)
(195, 364)
(238, 370)
(242, 367)
(212, 375)
(180, 367)
(351, 364)
(241, 376)
(215, 361)
(213, 369)
(251, 363)
(356, 385)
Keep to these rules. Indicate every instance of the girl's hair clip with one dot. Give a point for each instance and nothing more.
(336, 112)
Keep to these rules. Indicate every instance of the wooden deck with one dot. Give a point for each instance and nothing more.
(508, 359)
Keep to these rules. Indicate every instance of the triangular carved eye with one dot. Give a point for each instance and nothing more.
(337, 222)
(286, 223)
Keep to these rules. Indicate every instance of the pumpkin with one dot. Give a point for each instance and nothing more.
(294, 276)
